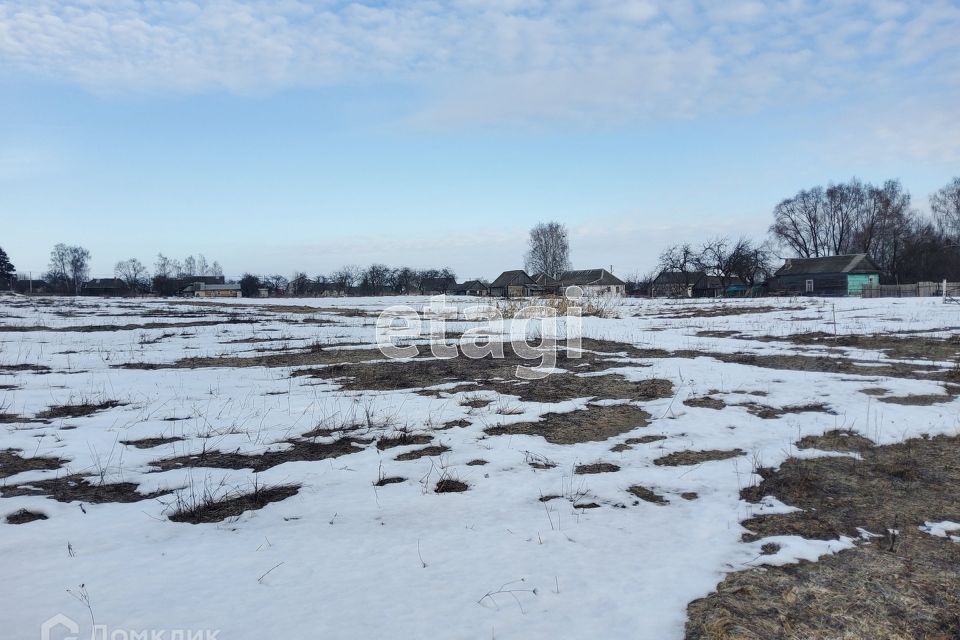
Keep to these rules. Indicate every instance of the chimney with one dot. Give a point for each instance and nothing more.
(611, 268)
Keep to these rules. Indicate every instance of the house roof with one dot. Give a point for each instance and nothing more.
(679, 277)
(471, 285)
(590, 277)
(104, 283)
(849, 263)
(517, 276)
(544, 280)
(441, 284)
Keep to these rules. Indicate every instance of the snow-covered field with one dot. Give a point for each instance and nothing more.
(344, 558)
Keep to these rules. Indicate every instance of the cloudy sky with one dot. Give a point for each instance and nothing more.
(286, 134)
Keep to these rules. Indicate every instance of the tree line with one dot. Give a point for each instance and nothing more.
(375, 279)
(843, 218)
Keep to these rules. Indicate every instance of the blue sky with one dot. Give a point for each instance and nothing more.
(282, 135)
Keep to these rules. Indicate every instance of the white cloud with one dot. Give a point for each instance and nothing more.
(495, 61)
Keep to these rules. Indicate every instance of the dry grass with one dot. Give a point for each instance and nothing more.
(684, 458)
(894, 586)
(24, 516)
(647, 495)
(210, 505)
(12, 463)
(77, 410)
(150, 443)
(836, 440)
(425, 452)
(76, 488)
(595, 423)
(299, 450)
(595, 467)
(705, 402)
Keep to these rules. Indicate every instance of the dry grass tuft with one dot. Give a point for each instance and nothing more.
(683, 458)
(596, 467)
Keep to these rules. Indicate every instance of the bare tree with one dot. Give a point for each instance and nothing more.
(345, 277)
(202, 267)
(945, 205)
(549, 249)
(299, 284)
(375, 278)
(190, 266)
(216, 269)
(750, 262)
(69, 267)
(133, 274)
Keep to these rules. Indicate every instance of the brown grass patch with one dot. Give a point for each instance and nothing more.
(645, 439)
(919, 400)
(477, 463)
(19, 368)
(416, 454)
(382, 482)
(79, 410)
(647, 495)
(150, 443)
(127, 327)
(595, 423)
(300, 450)
(711, 333)
(206, 508)
(401, 439)
(770, 413)
(314, 355)
(689, 495)
(451, 485)
(595, 467)
(836, 440)
(76, 488)
(11, 463)
(705, 402)
(684, 458)
(24, 516)
(903, 586)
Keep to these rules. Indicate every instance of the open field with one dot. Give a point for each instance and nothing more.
(258, 468)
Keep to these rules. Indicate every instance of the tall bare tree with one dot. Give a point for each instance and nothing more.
(69, 268)
(133, 274)
(945, 205)
(549, 249)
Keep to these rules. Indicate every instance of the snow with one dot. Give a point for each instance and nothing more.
(346, 559)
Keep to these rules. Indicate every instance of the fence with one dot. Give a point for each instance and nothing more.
(945, 289)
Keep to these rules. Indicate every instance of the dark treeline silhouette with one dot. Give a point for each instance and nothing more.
(373, 280)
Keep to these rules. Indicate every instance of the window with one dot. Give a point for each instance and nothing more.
(809, 286)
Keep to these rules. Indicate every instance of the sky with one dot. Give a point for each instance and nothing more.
(285, 135)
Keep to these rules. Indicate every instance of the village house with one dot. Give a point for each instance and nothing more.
(548, 285)
(694, 284)
(105, 287)
(437, 286)
(593, 282)
(513, 284)
(204, 290)
(844, 275)
(472, 288)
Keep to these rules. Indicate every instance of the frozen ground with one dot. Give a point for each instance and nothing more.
(343, 558)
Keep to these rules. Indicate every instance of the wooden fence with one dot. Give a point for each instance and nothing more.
(920, 289)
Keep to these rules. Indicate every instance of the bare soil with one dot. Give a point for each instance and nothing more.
(150, 443)
(596, 467)
(416, 454)
(449, 485)
(76, 488)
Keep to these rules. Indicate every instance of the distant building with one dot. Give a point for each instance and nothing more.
(513, 284)
(828, 276)
(548, 285)
(437, 286)
(593, 282)
(694, 284)
(203, 290)
(26, 286)
(105, 287)
(472, 288)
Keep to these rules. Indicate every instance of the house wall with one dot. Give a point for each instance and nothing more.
(516, 291)
(604, 289)
(824, 284)
(857, 281)
(217, 293)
